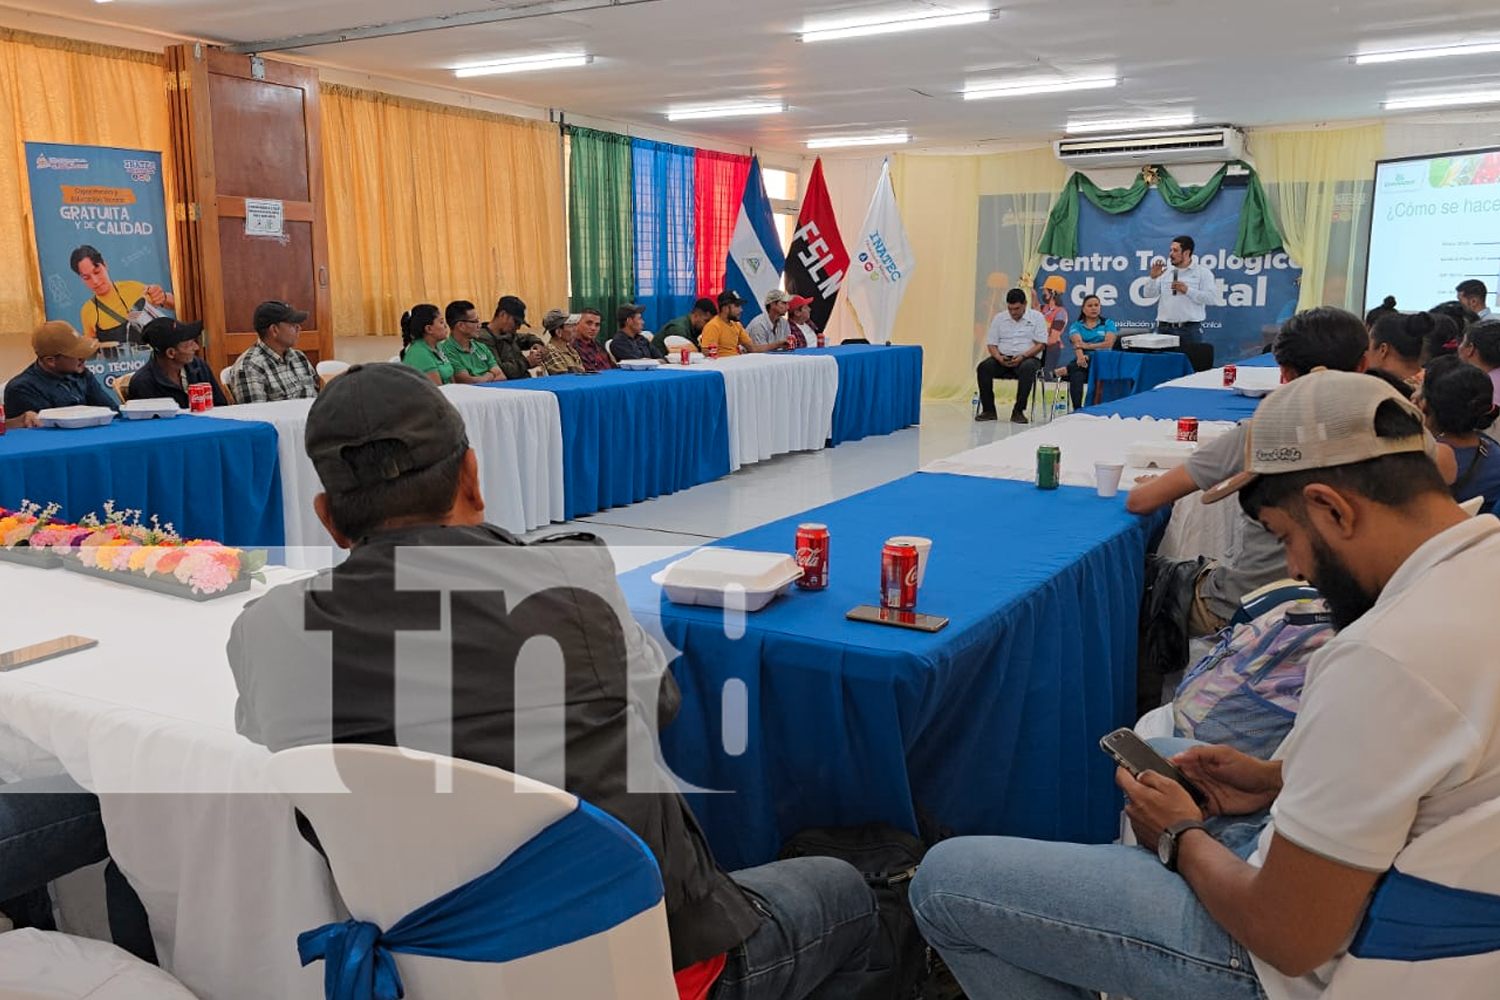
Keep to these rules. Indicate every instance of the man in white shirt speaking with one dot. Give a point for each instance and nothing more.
(1015, 342)
(1183, 289)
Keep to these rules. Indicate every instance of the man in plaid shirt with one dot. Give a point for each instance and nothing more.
(586, 343)
(274, 369)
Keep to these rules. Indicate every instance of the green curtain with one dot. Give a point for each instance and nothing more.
(1258, 233)
(601, 223)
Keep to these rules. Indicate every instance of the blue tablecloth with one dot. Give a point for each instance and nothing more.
(215, 479)
(633, 435)
(1170, 403)
(989, 726)
(880, 389)
(1117, 374)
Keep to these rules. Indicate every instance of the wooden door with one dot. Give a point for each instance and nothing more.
(244, 127)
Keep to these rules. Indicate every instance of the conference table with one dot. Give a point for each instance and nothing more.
(208, 477)
(879, 390)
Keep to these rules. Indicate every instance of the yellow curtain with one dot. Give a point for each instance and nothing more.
(55, 90)
(428, 203)
(1311, 179)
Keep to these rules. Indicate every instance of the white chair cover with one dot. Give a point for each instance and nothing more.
(45, 965)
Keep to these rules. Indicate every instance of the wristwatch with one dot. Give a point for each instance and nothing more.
(1171, 839)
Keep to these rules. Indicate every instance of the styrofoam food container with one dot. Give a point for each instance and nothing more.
(1163, 454)
(716, 577)
(640, 364)
(694, 358)
(147, 409)
(1257, 382)
(75, 416)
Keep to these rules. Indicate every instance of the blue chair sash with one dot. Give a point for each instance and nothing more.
(581, 876)
(1413, 920)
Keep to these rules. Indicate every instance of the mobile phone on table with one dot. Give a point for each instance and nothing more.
(900, 619)
(1136, 756)
(13, 659)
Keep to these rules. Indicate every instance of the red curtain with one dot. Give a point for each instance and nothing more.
(719, 186)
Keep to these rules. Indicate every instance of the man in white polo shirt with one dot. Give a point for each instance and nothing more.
(1015, 342)
(1398, 738)
(1183, 288)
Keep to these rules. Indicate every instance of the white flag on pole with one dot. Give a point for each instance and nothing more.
(880, 264)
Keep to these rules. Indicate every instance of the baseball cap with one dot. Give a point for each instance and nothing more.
(268, 314)
(514, 306)
(554, 320)
(1321, 420)
(705, 305)
(57, 337)
(798, 301)
(380, 402)
(628, 310)
(728, 298)
(165, 333)
(776, 295)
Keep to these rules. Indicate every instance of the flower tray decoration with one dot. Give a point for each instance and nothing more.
(19, 527)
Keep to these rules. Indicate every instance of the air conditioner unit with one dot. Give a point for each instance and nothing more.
(1208, 144)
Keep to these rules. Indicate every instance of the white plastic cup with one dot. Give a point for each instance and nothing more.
(1107, 477)
(923, 547)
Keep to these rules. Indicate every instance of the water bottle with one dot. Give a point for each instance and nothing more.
(974, 404)
(1061, 405)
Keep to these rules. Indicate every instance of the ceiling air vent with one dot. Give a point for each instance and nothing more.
(1211, 144)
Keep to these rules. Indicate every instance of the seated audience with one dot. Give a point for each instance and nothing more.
(473, 361)
(1475, 297)
(586, 341)
(551, 323)
(1401, 343)
(724, 331)
(58, 376)
(1387, 307)
(1481, 348)
(629, 342)
(500, 335)
(174, 364)
(273, 368)
(770, 330)
(803, 332)
(562, 357)
(1461, 318)
(1458, 403)
(687, 327)
(402, 485)
(423, 331)
(1088, 333)
(1016, 340)
(1397, 737)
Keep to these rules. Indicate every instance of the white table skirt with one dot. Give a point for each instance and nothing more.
(777, 403)
(517, 437)
(225, 877)
(1195, 529)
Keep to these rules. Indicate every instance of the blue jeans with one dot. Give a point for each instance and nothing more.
(814, 939)
(1028, 920)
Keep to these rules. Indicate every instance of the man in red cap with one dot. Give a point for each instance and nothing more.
(803, 333)
(56, 378)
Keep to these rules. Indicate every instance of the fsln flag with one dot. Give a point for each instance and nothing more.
(755, 259)
(882, 264)
(816, 262)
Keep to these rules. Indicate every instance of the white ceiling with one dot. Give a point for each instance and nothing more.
(1270, 62)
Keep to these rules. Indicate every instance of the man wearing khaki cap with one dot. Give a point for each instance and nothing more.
(57, 377)
(770, 330)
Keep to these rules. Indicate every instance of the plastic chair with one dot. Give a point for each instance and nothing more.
(609, 347)
(46, 965)
(395, 359)
(122, 387)
(329, 369)
(395, 844)
(1045, 379)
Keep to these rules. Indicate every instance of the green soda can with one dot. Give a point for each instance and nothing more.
(1048, 466)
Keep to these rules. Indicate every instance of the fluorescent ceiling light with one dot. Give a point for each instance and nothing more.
(887, 139)
(1132, 124)
(726, 111)
(1442, 100)
(524, 65)
(1435, 52)
(979, 91)
(911, 22)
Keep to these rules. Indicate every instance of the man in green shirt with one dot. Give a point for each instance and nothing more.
(473, 361)
(688, 326)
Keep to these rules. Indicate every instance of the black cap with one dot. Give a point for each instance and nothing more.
(165, 333)
(268, 314)
(380, 402)
(705, 305)
(513, 305)
(728, 298)
(628, 310)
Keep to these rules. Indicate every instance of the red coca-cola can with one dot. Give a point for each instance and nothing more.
(822, 340)
(713, 351)
(2, 418)
(200, 397)
(1187, 428)
(1230, 374)
(898, 576)
(687, 355)
(812, 556)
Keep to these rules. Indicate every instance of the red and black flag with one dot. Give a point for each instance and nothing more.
(817, 260)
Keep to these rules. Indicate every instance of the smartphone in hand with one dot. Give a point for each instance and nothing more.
(1136, 756)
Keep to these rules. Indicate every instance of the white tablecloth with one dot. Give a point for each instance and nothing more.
(777, 403)
(226, 879)
(1195, 529)
(517, 437)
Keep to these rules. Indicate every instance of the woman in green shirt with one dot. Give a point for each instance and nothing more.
(423, 331)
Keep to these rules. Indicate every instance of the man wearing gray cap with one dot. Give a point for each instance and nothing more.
(770, 330)
(273, 368)
(315, 661)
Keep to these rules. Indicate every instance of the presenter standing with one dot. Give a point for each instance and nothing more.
(1183, 288)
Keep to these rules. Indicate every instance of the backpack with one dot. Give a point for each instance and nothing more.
(1245, 694)
(887, 858)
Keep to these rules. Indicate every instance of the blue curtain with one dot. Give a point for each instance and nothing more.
(665, 276)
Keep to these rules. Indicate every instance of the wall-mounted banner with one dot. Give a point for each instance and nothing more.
(100, 218)
(1114, 261)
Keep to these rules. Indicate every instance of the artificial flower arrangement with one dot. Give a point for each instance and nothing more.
(119, 547)
(19, 527)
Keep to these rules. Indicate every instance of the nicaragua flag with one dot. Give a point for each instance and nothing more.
(755, 260)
